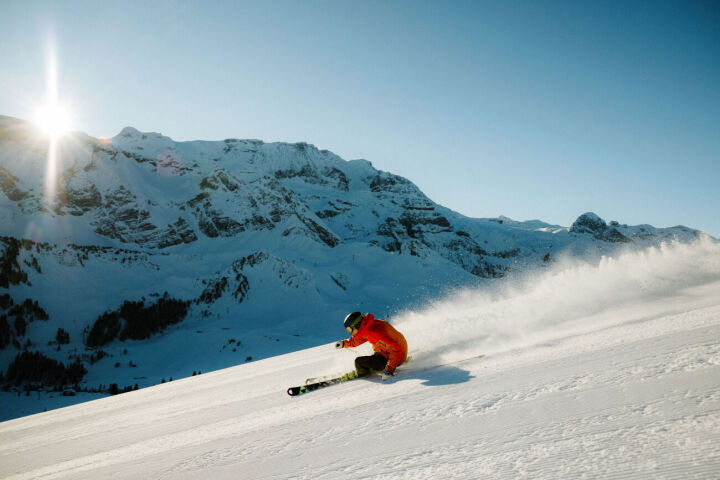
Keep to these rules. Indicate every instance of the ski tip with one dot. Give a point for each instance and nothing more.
(293, 391)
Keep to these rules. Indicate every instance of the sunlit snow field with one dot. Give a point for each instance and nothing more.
(608, 370)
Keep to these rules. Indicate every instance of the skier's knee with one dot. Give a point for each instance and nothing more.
(361, 369)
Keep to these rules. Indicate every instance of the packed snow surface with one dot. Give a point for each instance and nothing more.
(603, 370)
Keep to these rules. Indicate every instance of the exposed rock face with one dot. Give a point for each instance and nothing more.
(8, 184)
(83, 200)
(229, 206)
(589, 223)
(212, 221)
(122, 218)
(596, 226)
(176, 233)
(613, 235)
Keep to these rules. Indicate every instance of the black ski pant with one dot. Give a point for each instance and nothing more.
(366, 365)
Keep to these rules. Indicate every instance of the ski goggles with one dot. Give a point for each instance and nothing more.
(355, 325)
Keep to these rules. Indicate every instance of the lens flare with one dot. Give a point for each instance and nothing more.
(53, 119)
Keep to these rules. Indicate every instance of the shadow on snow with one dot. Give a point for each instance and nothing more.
(446, 376)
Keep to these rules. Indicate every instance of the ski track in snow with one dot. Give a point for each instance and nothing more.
(624, 390)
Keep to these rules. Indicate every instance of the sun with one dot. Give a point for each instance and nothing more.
(53, 119)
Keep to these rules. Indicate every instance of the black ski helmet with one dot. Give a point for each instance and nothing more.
(352, 321)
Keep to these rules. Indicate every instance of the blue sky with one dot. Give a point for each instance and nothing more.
(527, 109)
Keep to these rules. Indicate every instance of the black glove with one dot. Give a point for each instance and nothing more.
(339, 344)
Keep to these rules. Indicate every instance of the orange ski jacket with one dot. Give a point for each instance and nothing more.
(385, 340)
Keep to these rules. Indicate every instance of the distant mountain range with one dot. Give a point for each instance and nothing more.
(154, 259)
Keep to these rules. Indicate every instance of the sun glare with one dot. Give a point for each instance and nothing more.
(53, 119)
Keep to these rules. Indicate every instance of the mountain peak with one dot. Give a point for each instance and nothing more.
(132, 133)
(129, 132)
(130, 138)
(589, 222)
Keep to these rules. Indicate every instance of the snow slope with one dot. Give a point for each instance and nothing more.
(592, 370)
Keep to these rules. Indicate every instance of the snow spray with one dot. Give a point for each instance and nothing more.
(571, 296)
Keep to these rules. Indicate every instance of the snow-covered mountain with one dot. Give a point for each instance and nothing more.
(143, 258)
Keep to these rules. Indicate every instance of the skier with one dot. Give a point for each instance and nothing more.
(389, 345)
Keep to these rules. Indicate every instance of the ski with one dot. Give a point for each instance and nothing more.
(312, 384)
(295, 391)
(323, 378)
